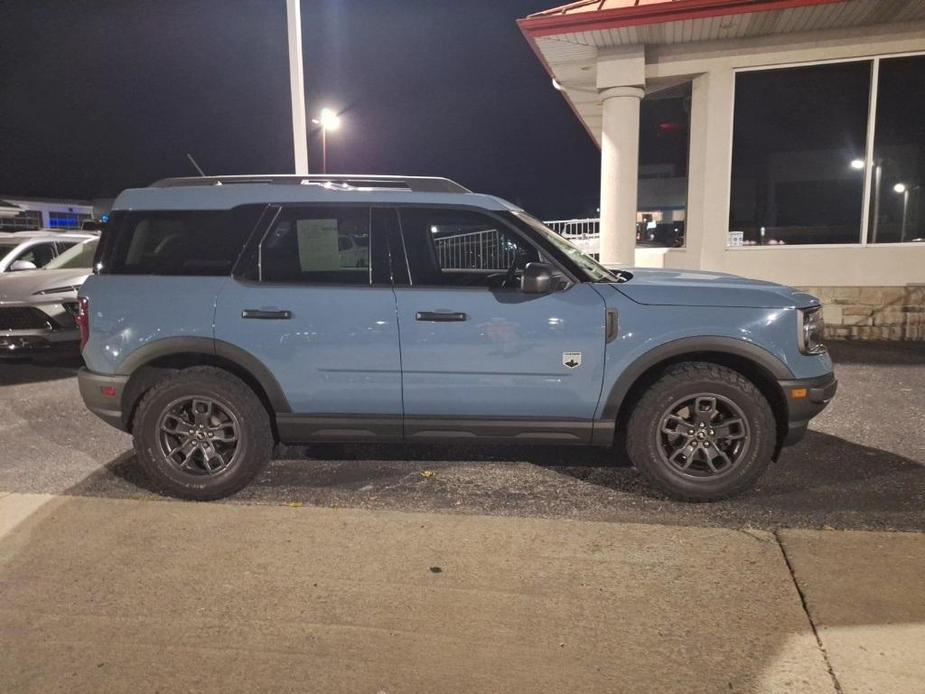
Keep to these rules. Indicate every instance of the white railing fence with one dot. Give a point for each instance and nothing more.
(583, 233)
(589, 228)
(488, 250)
(478, 250)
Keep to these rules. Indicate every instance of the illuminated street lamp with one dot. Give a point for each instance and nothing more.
(328, 120)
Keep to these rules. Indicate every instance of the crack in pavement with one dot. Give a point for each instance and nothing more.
(809, 617)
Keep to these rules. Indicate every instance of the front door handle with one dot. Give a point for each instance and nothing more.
(613, 325)
(440, 316)
(262, 314)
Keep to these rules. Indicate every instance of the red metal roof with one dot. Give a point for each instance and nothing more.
(587, 15)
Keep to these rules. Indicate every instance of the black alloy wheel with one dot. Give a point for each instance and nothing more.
(199, 435)
(703, 435)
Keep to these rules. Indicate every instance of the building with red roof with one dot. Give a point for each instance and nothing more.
(802, 140)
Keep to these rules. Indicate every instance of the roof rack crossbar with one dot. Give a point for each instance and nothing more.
(417, 184)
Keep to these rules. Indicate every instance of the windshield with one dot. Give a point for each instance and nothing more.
(594, 269)
(78, 256)
(6, 248)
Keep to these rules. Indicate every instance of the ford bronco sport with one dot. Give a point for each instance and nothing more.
(227, 314)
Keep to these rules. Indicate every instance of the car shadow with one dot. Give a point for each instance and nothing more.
(14, 372)
(824, 482)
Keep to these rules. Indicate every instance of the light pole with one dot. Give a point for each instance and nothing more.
(904, 190)
(860, 164)
(328, 120)
(297, 87)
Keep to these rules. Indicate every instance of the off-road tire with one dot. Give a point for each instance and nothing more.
(254, 434)
(689, 379)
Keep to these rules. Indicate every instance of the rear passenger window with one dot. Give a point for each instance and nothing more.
(318, 246)
(179, 243)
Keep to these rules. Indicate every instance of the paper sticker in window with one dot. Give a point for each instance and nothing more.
(318, 249)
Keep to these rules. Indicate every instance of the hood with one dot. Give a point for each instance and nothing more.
(18, 287)
(700, 288)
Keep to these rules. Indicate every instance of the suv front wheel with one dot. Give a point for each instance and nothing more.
(701, 432)
(202, 434)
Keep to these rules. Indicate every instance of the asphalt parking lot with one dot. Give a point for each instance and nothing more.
(861, 467)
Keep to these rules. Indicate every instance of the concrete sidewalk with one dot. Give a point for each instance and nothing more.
(104, 595)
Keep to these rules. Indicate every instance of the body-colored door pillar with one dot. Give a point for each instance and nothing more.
(619, 173)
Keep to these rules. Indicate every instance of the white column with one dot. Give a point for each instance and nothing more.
(619, 173)
(297, 87)
(708, 183)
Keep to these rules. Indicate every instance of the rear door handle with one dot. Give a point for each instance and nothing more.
(440, 316)
(261, 314)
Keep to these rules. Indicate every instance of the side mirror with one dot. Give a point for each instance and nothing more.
(18, 265)
(537, 279)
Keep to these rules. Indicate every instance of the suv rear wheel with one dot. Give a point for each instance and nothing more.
(702, 432)
(202, 434)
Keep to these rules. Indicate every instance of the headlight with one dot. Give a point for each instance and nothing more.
(812, 331)
(58, 290)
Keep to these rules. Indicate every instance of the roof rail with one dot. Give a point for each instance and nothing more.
(417, 184)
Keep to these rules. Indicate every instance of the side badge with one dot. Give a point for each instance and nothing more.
(571, 359)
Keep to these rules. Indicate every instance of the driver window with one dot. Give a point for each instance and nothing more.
(39, 255)
(464, 249)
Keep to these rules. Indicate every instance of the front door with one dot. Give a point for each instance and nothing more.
(479, 356)
(318, 311)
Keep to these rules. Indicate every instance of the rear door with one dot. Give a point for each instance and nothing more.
(312, 301)
(479, 356)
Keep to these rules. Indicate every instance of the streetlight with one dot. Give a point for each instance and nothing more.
(328, 120)
(904, 190)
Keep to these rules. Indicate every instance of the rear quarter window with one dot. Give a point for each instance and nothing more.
(199, 243)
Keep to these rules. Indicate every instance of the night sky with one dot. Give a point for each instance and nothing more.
(99, 95)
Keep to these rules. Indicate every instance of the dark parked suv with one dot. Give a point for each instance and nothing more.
(228, 314)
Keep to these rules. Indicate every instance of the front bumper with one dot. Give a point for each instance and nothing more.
(806, 397)
(102, 394)
(37, 327)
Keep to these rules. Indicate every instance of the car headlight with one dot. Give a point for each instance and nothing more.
(812, 331)
(58, 290)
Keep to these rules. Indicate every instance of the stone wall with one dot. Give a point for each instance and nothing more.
(873, 313)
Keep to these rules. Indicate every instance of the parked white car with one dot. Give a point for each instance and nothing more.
(32, 250)
(38, 307)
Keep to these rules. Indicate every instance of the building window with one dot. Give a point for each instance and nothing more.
(897, 209)
(664, 139)
(67, 220)
(796, 132)
(27, 220)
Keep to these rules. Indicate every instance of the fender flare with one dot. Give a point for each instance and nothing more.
(688, 345)
(208, 346)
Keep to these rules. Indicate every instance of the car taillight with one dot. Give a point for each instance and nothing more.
(83, 320)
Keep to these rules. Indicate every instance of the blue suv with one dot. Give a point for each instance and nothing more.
(228, 314)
